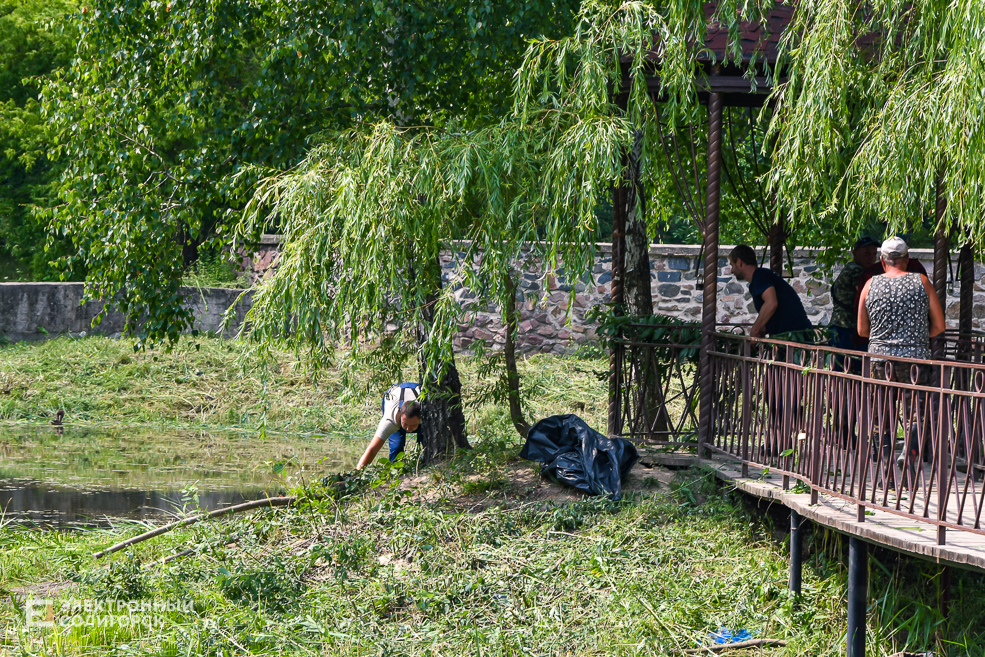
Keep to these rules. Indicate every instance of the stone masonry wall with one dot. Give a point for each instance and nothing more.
(545, 325)
(37, 311)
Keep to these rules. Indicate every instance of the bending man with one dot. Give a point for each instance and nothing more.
(401, 415)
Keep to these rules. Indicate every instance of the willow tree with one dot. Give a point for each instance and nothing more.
(365, 221)
(882, 110)
(602, 74)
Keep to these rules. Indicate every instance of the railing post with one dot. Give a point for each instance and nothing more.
(709, 306)
(865, 431)
(746, 405)
(941, 452)
(788, 420)
(817, 428)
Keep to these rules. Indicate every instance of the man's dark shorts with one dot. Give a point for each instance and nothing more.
(900, 372)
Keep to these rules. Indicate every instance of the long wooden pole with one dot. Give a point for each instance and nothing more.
(942, 246)
(246, 506)
(709, 306)
(616, 298)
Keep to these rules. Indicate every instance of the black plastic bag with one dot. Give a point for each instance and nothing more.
(573, 453)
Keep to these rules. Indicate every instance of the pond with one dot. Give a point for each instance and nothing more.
(83, 476)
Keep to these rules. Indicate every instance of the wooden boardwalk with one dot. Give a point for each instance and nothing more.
(963, 548)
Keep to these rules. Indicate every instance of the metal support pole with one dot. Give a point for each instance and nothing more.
(967, 260)
(616, 294)
(858, 593)
(942, 258)
(776, 246)
(709, 308)
(796, 563)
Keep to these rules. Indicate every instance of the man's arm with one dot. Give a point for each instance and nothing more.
(769, 307)
(937, 325)
(863, 314)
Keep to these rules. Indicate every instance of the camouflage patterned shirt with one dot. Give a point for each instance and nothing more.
(843, 296)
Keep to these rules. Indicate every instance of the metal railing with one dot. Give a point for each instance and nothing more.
(657, 383)
(903, 436)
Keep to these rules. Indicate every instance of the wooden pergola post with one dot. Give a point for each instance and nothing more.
(942, 246)
(776, 246)
(709, 305)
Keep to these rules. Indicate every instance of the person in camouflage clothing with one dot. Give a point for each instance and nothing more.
(844, 319)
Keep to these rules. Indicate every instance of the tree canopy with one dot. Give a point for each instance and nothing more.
(883, 99)
(35, 39)
(167, 103)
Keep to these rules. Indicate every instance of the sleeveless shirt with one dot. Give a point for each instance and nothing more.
(899, 317)
(393, 400)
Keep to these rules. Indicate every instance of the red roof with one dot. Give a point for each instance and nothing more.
(755, 38)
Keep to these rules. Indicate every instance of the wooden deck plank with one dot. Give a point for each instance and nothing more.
(963, 549)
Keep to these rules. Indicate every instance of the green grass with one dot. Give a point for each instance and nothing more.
(199, 384)
(473, 557)
(385, 572)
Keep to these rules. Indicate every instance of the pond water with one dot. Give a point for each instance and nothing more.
(73, 476)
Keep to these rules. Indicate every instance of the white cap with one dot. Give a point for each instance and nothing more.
(894, 248)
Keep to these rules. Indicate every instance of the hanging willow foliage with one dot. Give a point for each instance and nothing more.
(366, 216)
(884, 98)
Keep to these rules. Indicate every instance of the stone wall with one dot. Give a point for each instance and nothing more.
(37, 311)
(545, 325)
(674, 273)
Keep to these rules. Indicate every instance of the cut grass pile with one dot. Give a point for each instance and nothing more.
(390, 572)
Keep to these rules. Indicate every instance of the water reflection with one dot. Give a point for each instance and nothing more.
(69, 476)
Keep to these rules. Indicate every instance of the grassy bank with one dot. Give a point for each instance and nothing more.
(425, 568)
(477, 556)
(200, 384)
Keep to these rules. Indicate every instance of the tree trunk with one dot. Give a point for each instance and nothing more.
(442, 419)
(509, 356)
(639, 299)
(638, 293)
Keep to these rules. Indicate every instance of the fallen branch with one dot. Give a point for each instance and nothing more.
(722, 647)
(172, 557)
(246, 506)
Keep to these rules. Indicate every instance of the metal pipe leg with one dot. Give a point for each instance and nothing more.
(858, 593)
(795, 552)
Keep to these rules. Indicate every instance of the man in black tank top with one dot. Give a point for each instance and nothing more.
(781, 312)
